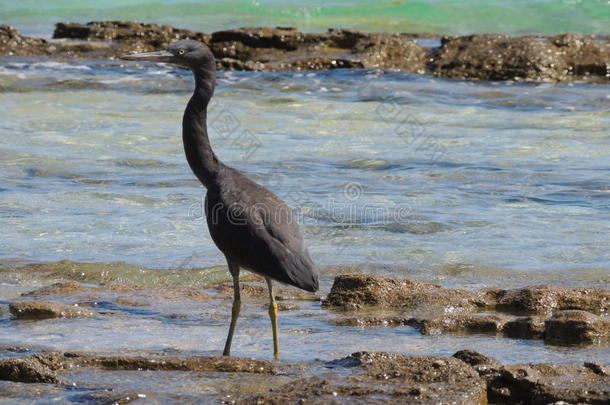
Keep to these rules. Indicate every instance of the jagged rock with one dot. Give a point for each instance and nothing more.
(47, 309)
(575, 326)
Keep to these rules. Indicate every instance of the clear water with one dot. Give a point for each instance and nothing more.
(437, 16)
(382, 168)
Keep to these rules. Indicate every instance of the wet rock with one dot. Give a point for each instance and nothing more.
(55, 361)
(460, 323)
(597, 368)
(12, 43)
(197, 363)
(384, 378)
(387, 51)
(47, 309)
(355, 291)
(544, 299)
(475, 358)
(525, 327)
(27, 370)
(286, 38)
(575, 326)
(456, 323)
(585, 55)
(548, 383)
(499, 57)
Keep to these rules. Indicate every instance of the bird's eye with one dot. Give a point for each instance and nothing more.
(181, 52)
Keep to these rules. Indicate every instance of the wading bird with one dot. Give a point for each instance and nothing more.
(251, 226)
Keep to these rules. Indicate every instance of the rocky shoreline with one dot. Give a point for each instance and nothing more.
(558, 315)
(467, 377)
(562, 58)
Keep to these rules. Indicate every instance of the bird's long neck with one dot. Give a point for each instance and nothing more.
(199, 153)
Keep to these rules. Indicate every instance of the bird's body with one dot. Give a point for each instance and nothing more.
(251, 226)
(256, 230)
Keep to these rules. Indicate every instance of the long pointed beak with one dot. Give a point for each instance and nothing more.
(156, 56)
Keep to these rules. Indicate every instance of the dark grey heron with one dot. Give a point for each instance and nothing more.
(251, 226)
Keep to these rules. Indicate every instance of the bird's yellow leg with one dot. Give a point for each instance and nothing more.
(234, 269)
(273, 316)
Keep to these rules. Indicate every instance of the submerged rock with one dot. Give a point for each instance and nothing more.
(384, 378)
(61, 288)
(576, 327)
(454, 323)
(460, 323)
(261, 291)
(196, 363)
(47, 309)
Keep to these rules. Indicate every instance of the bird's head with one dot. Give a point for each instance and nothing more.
(187, 53)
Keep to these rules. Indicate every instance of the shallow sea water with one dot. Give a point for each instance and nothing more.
(466, 184)
(381, 167)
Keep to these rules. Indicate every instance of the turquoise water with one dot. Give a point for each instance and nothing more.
(382, 168)
(437, 16)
